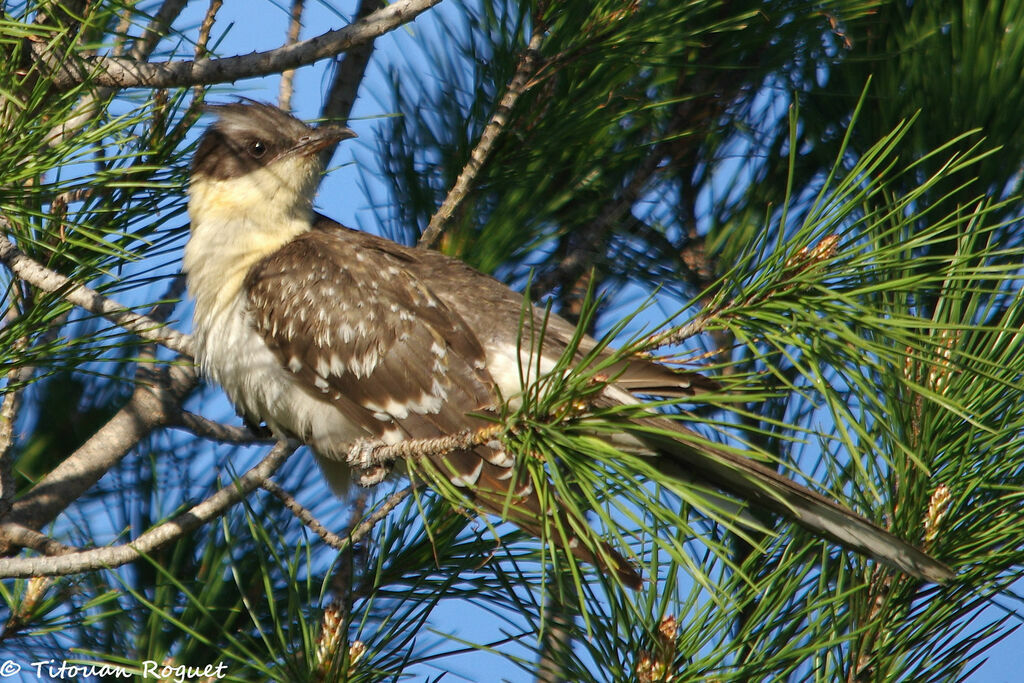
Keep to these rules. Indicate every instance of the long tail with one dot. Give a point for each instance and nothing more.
(686, 455)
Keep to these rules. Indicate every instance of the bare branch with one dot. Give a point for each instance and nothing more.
(380, 513)
(284, 97)
(519, 84)
(90, 104)
(215, 431)
(149, 407)
(23, 537)
(51, 281)
(157, 28)
(120, 72)
(304, 515)
(201, 52)
(9, 414)
(115, 556)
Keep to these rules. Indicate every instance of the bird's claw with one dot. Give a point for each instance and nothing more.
(367, 471)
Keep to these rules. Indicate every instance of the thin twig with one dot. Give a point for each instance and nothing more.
(8, 418)
(805, 261)
(48, 280)
(380, 513)
(157, 29)
(115, 556)
(347, 77)
(89, 106)
(9, 412)
(677, 335)
(342, 584)
(304, 515)
(120, 72)
(369, 453)
(284, 97)
(344, 573)
(519, 84)
(170, 299)
(215, 431)
(201, 53)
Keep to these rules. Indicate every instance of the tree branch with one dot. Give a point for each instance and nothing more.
(115, 556)
(48, 280)
(157, 28)
(677, 335)
(201, 53)
(380, 513)
(9, 415)
(149, 407)
(287, 87)
(215, 431)
(369, 453)
(304, 515)
(519, 84)
(345, 84)
(90, 105)
(120, 72)
(23, 537)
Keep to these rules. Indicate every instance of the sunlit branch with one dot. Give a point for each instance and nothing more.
(519, 84)
(78, 294)
(115, 556)
(120, 72)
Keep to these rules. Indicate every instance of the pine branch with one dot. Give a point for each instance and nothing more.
(115, 556)
(304, 515)
(519, 84)
(287, 86)
(348, 76)
(369, 454)
(150, 406)
(215, 431)
(120, 72)
(78, 294)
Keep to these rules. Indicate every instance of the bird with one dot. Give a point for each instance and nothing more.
(336, 337)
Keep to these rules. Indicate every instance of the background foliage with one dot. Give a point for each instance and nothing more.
(825, 195)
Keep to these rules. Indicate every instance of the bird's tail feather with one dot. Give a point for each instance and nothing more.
(686, 455)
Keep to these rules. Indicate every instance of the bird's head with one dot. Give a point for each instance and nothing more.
(256, 155)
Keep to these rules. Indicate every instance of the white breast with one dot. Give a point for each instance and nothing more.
(227, 238)
(233, 355)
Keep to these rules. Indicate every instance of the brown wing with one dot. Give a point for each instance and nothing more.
(350, 319)
(496, 314)
(359, 331)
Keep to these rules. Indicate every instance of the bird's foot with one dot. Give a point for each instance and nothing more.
(371, 476)
(366, 467)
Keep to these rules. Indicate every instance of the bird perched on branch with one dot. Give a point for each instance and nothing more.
(336, 337)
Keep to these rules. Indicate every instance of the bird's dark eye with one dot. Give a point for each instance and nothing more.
(256, 148)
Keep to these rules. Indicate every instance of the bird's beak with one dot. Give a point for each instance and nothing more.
(320, 137)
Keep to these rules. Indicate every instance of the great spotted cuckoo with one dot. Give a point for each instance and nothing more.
(336, 337)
